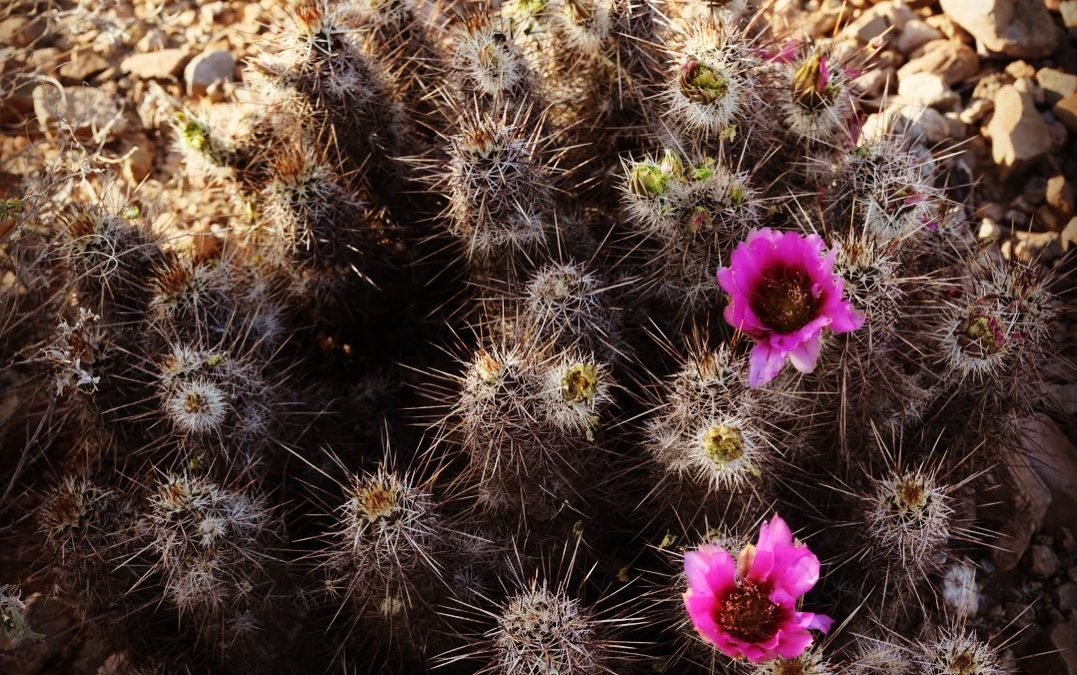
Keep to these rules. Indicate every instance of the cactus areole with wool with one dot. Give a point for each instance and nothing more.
(782, 293)
(747, 606)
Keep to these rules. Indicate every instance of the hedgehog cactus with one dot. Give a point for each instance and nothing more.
(500, 242)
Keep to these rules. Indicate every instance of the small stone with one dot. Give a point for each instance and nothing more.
(977, 110)
(916, 34)
(89, 112)
(930, 125)
(1066, 596)
(1066, 112)
(1068, 9)
(1022, 205)
(1027, 85)
(1056, 84)
(989, 230)
(1019, 135)
(1063, 637)
(154, 40)
(1069, 235)
(1028, 500)
(158, 65)
(1016, 218)
(954, 61)
(1036, 246)
(1042, 561)
(927, 89)
(207, 68)
(1059, 194)
(988, 84)
(1048, 219)
(885, 18)
(83, 64)
(1019, 614)
(1021, 28)
(1057, 132)
(20, 31)
(873, 82)
(139, 164)
(1035, 190)
(1066, 542)
(1019, 69)
(869, 26)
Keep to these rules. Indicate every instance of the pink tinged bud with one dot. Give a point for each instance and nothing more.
(746, 606)
(783, 292)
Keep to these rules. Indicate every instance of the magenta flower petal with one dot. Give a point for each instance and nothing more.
(750, 612)
(712, 568)
(782, 293)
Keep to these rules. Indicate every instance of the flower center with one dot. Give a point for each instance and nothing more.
(579, 383)
(723, 444)
(748, 614)
(701, 83)
(378, 501)
(981, 335)
(783, 300)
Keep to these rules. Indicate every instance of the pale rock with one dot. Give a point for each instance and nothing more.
(83, 63)
(1060, 195)
(954, 61)
(921, 123)
(927, 89)
(960, 590)
(87, 111)
(153, 40)
(156, 65)
(885, 18)
(929, 125)
(19, 31)
(1036, 246)
(873, 83)
(1066, 112)
(916, 34)
(950, 30)
(989, 230)
(1019, 69)
(1020, 28)
(1056, 84)
(1019, 135)
(45, 60)
(1068, 9)
(1069, 235)
(207, 68)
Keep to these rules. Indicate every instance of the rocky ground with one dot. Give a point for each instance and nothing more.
(989, 85)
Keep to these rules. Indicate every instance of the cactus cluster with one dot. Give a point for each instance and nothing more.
(454, 388)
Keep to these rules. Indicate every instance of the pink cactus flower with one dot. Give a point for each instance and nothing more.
(782, 293)
(747, 606)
